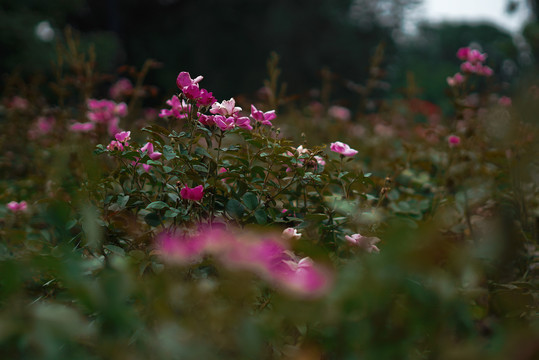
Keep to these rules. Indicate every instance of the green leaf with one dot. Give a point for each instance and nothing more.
(157, 205)
(122, 201)
(200, 168)
(202, 152)
(152, 219)
(261, 217)
(250, 200)
(168, 152)
(234, 208)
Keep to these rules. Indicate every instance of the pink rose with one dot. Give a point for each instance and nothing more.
(194, 194)
(342, 149)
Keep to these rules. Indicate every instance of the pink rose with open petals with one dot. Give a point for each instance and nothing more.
(225, 108)
(194, 194)
(264, 118)
(343, 149)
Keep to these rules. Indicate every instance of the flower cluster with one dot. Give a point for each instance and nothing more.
(473, 62)
(121, 141)
(192, 91)
(265, 256)
(104, 112)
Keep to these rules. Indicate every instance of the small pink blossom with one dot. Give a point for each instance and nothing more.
(206, 98)
(206, 119)
(364, 242)
(121, 88)
(343, 149)
(194, 194)
(264, 118)
(184, 80)
(224, 123)
(15, 207)
(192, 91)
(504, 101)
(179, 109)
(123, 136)
(453, 140)
(244, 123)
(154, 155)
(115, 145)
(82, 127)
(225, 108)
(339, 113)
(19, 103)
(290, 234)
(456, 80)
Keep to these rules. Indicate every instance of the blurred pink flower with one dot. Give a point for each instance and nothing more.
(82, 127)
(194, 194)
(505, 101)
(290, 234)
(453, 140)
(19, 103)
(339, 113)
(364, 242)
(457, 79)
(17, 206)
(121, 88)
(343, 149)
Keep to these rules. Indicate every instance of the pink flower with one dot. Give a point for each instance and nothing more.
(505, 101)
(264, 118)
(206, 98)
(244, 123)
(184, 80)
(179, 109)
(457, 79)
(45, 124)
(206, 119)
(194, 194)
(342, 149)
(192, 91)
(123, 136)
(364, 242)
(320, 160)
(82, 127)
(468, 67)
(224, 123)
(462, 53)
(154, 155)
(453, 140)
(303, 277)
(120, 88)
(290, 234)
(339, 113)
(17, 206)
(19, 103)
(225, 108)
(115, 145)
(484, 70)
